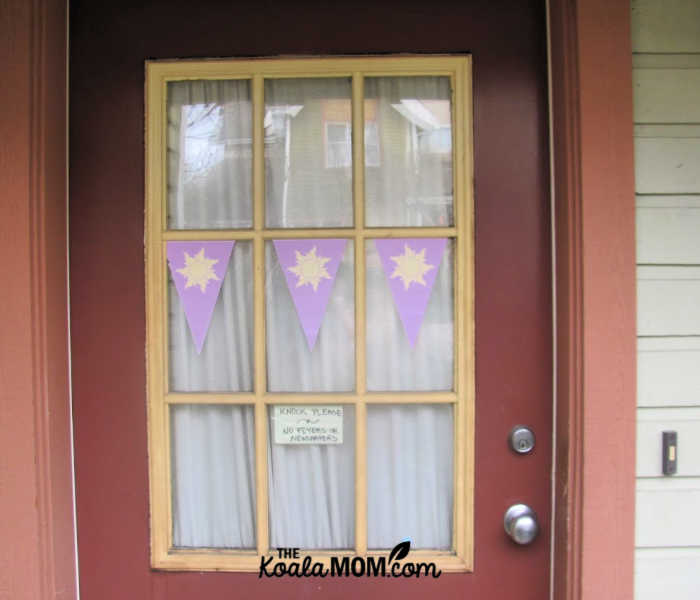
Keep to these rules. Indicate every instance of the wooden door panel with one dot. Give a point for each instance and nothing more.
(109, 45)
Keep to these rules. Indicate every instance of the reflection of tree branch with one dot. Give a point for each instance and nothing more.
(208, 110)
(203, 148)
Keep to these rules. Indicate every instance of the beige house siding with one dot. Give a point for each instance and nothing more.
(666, 70)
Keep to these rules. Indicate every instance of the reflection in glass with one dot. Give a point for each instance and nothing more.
(308, 153)
(408, 178)
(312, 490)
(291, 366)
(213, 476)
(410, 475)
(226, 361)
(209, 155)
(392, 364)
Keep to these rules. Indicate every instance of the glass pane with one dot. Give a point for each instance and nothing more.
(292, 366)
(392, 363)
(410, 476)
(226, 361)
(312, 485)
(308, 153)
(213, 476)
(210, 159)
(408, 175)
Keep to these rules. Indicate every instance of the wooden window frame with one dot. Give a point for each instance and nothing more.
(158, 75)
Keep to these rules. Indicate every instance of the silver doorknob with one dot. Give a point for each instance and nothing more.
(520, 523)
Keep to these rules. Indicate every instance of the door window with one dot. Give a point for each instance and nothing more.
(310, 315)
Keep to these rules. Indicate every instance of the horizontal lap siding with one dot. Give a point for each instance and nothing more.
(668, 301)
(668, 372)
(667, 230)
(663, 26)
(666, 43)
(663, 573)
(666, 512)
(666, 95)
(667, 165)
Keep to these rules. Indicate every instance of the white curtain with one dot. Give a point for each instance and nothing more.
(409, 476)
(311, 487)
(213, 474)
(312, 491)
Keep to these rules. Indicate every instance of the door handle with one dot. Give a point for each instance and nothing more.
(520, 523)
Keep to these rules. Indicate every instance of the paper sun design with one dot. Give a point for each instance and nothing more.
(411, 266)
(310, 269)
(198, 270)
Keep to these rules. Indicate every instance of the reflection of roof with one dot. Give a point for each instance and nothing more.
(425, 114)
(291, 110)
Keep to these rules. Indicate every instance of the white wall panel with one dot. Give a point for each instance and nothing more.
(665, 26)
(667, 512)
(666, 75)
(666, 61)
(668, 301)
(667, 165)
(666, 95)
(668, 372)
(651, 422)
(667, 573)
(668, 229)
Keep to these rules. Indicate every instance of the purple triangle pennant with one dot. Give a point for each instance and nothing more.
(310, 267)
(198, 270)
(410, 266)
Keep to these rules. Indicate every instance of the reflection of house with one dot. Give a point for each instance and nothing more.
(308, 153)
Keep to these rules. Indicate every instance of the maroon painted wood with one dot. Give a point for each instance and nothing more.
(513, 305)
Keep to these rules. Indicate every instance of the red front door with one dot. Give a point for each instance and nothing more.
(512, 272)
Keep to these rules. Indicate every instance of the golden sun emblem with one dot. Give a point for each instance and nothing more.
(411, 266)
(198, 270)
(310, 269)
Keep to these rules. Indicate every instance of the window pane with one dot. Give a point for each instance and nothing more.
(209, 155)
(213, 476)
(291, 365)
(226, 361)
(308, 153)
(410, 476)
(392, 363)
(312, 485)
(413, 184)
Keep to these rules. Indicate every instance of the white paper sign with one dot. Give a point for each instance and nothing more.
(308, 424)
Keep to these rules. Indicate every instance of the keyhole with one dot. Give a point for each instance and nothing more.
(521, 439)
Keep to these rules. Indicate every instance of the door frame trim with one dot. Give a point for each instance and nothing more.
(36, 477)
(595, 281)
(595, 308)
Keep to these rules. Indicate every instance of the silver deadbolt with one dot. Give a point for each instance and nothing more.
(521, 439)
(520, 523)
